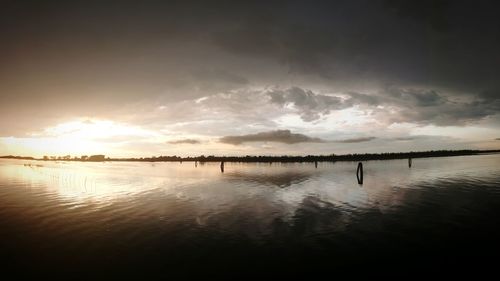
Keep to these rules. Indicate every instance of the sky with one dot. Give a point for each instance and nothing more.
(149, 78)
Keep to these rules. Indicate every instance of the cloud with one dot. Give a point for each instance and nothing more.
(427, 106)
(356, 140)
(389, 105)
(416, 97)
(262, 109)
(405, 138)
(434, 13)
(218, 75)
(222, 68)
(414, 137)
(282, 136)
(309, 105)
(185, 141)
(364, 99)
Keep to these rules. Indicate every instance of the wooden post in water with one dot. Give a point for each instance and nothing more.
(315, 164)
(409, 162)
(359, 173)
(222, 166)
(195, 164)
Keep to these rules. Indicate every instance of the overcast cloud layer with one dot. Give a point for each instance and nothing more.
(229, 77)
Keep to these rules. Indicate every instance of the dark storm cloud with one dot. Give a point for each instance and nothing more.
(282, 136)
(219, 75)
(416, 97)
(185, 141)
(434, 13)
(431, 107)
(61, 59)
(436, 43)
(491, 97)
(309, 104)
(423, 106)
(356, 140)
(421, 41)
(405, 138)
(358, 98)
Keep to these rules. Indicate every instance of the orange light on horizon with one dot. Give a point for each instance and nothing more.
(76, 138)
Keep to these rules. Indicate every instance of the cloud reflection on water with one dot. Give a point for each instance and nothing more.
(252, 200)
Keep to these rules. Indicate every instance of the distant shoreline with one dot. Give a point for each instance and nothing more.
(270, 159)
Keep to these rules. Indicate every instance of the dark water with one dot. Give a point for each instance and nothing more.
(171, 220)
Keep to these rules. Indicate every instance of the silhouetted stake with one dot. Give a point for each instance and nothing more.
(195, 164)
(359, 173)
(409, 162)
(315, 164)
(222, 167)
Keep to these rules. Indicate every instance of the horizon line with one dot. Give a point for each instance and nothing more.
(102, 157)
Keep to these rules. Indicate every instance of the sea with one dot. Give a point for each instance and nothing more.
(173, 220)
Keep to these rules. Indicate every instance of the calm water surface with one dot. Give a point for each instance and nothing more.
(124, 219)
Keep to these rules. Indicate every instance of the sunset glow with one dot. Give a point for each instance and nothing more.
(178, 87)
(226, 140)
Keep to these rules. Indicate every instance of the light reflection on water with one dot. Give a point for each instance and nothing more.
(126, 209)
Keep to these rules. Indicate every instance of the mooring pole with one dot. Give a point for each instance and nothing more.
(316, 164)
(222, 166)
(359, 173)
(409, 162)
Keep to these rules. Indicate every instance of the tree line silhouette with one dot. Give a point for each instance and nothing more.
(269, 159)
